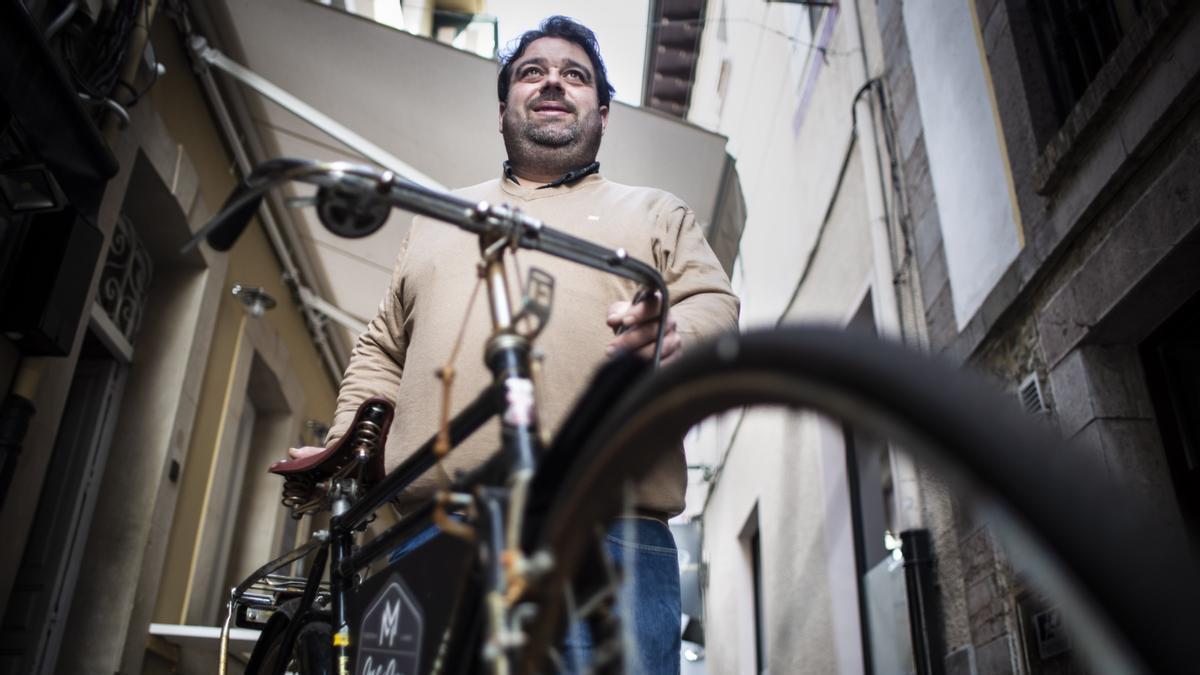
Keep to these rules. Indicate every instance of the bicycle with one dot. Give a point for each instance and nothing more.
(518, 555)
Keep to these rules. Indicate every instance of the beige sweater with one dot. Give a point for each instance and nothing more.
(420, 316)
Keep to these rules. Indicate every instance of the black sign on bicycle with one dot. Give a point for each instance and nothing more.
(390, 632)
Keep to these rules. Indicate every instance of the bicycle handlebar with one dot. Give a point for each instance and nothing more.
(489, 221)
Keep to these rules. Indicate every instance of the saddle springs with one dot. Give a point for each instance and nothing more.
(359, 455)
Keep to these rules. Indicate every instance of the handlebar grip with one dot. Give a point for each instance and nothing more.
(229, 225)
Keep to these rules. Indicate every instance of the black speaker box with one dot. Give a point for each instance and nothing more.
(49, 263)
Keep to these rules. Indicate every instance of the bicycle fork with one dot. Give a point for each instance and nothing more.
(499, 637)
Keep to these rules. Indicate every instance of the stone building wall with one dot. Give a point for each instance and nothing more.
(1111, 217)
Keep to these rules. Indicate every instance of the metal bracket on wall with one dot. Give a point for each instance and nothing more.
(332, 311)
(309, 114)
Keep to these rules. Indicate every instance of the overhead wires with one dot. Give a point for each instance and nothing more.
(93, 52)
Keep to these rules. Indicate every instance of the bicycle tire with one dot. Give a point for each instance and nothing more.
(312, 653)
(1130, 603)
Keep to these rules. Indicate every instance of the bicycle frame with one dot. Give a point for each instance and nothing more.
(499, 509)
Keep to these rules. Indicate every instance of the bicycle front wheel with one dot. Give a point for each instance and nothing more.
(1129, 604)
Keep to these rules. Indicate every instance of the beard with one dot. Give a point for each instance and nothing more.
(550, 147)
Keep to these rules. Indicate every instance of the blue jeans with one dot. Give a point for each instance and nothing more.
(648, 603)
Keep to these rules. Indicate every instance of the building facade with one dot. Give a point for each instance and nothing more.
(1092, 320)
(138, 491)
(1039, 208)
(785, 559)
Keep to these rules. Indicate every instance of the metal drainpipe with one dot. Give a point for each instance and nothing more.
(273, 232)
(887, 316)
(916, 547)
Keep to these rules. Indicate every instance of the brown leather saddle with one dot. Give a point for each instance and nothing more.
(361, 446)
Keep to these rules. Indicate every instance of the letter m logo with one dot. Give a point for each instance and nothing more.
(389, 622)
(389, 632)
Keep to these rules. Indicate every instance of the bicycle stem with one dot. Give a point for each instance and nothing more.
(498, 298)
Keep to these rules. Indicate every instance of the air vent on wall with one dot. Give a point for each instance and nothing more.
(1030, 393)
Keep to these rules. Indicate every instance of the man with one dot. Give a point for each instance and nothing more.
(554, 103)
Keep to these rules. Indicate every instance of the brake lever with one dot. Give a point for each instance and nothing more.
(536, 304)
(642, 295)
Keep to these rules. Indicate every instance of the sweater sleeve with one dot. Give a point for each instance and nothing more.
(377, 360)
(702, 300)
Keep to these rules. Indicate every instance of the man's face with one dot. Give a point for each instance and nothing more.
(552, 100)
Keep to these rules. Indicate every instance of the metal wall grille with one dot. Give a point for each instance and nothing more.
(125, 281)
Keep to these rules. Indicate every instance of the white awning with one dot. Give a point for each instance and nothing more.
(433, 107)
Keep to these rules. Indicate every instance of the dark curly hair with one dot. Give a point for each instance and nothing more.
(559, 27)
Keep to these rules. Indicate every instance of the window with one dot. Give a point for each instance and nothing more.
(760, 627)
(751, 541)
(1171, 358)
(1075, 39)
